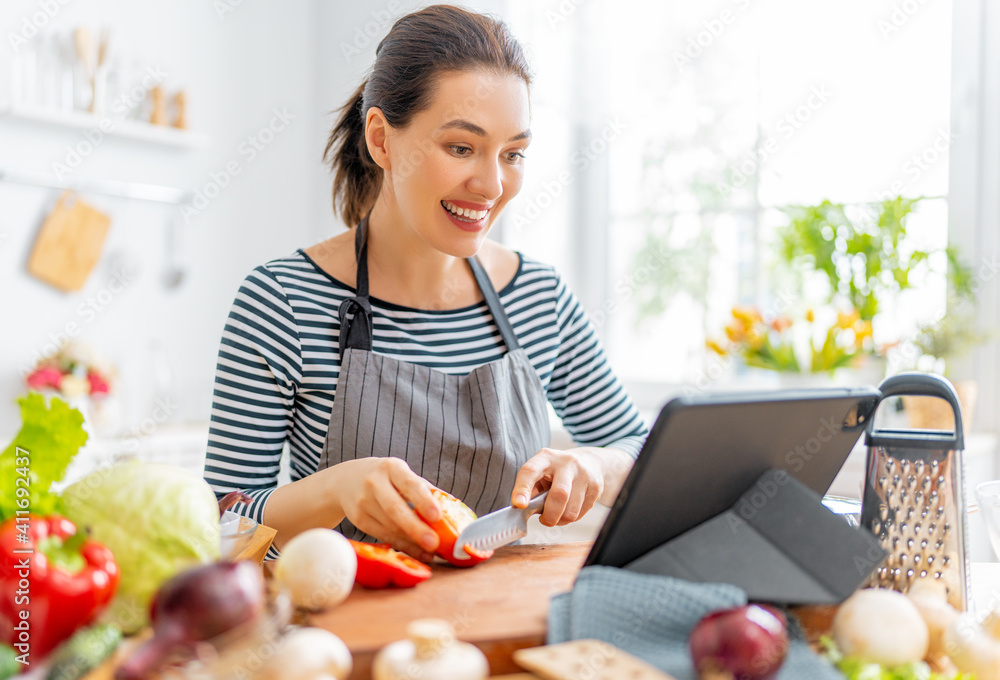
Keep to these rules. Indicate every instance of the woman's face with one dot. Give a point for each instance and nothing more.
(459, 161)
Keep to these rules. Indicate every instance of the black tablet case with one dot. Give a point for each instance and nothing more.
(683, 509)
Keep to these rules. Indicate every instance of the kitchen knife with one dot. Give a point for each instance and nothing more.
(498, 528)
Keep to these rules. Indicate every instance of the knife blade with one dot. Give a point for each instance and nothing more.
(499, 528)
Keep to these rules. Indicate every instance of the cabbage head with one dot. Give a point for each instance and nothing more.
(157, 519)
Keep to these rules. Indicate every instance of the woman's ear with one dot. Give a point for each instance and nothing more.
(377, 137)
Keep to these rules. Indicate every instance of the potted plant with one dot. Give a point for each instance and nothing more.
(865, 257)
(865, 252)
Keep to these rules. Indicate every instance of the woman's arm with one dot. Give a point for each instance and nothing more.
(599, 415)
(257, 374)
(376, 494)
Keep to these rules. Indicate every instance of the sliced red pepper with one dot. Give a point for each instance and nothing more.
(455, 516)
(380, 566)
(54, 580)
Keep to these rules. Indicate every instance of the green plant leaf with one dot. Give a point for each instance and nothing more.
(51, 434)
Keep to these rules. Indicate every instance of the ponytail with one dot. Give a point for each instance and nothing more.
(357, 178)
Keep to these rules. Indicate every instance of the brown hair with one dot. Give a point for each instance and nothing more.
(418, 48)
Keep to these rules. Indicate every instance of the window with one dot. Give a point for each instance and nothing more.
(669, 134)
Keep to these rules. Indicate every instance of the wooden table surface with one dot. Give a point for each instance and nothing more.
(500, 605)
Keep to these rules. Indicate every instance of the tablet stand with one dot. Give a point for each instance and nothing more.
(779, 543)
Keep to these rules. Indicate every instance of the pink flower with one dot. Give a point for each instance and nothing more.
(98, 385)
(44, 377)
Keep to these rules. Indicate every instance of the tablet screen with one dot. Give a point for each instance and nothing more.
(704, 452)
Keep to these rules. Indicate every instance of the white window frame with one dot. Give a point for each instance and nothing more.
(974, 180)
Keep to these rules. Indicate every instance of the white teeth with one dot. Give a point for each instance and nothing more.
(474, 215)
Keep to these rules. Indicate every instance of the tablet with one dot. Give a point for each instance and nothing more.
(705, 452)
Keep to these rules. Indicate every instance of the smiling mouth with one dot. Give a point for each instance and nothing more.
(464, 214)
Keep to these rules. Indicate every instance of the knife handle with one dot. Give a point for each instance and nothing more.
(536, 504)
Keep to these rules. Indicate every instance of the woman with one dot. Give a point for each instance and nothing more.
(411, 351)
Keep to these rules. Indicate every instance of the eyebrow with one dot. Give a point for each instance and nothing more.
(459, 124)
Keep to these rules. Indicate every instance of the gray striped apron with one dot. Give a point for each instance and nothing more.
(466, 434)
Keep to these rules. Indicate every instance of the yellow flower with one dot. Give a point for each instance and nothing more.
(845, 320)
(810, 315)
(746, 314)
(716, 347)
(735, 333)
(862, 330)
(755, 340)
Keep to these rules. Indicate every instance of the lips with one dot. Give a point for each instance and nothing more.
(466, 223)
(472, 212)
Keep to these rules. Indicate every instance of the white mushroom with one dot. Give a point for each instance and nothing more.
(881, 626)
(308, 654)
(931, 599)
(972, 649)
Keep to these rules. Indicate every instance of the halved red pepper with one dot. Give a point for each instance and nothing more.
(54, 580)
(455, 516)
(380, 566)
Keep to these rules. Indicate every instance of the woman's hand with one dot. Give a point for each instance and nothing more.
(375, 494)
(574, 479)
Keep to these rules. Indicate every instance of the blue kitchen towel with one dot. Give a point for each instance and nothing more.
(651, 617)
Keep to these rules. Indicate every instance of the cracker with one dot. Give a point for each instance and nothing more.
(586, 660)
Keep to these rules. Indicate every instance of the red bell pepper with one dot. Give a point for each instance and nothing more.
(455, 516)
(53, 579)
(379, 566)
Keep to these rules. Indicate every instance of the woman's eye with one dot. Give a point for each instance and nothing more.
(460, 150)
(514, 156)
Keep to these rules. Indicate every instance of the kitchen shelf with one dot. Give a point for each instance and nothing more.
(125, 129)
(117, 188)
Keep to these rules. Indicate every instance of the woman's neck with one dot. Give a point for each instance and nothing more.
(403, 266)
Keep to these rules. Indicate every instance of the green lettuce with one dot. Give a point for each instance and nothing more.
(51, 434)
(157, 520)
(859, 669)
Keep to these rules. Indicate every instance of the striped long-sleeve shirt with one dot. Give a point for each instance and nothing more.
(279, 362)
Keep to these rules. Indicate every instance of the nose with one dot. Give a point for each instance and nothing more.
(487, 179)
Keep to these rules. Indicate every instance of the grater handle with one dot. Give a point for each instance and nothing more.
(925, 385)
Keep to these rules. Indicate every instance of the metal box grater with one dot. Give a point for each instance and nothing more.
(914, 496)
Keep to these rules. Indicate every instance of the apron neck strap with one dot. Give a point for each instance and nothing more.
(359, 336)
(493, 302)
(361, 257)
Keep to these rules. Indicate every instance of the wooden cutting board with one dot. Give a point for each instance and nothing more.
(69, 243)
(500, 605)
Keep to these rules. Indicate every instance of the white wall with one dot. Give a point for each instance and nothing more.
(236, 68)
(304, 57)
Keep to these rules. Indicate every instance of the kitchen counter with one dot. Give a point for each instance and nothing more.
(500, 605)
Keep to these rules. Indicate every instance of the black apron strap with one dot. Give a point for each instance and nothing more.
(356, 312)
(493, 302)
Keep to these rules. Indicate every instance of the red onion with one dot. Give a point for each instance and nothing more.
(196, 605)
(746, 643)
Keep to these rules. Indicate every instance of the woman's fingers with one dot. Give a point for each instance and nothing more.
(402, 486)
(528, 477)
(593, 493)
(416, 490)
(560, 495)
(388, 534)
